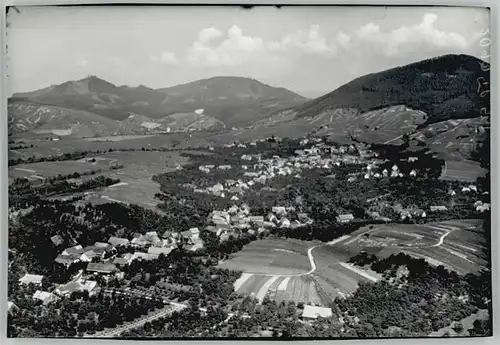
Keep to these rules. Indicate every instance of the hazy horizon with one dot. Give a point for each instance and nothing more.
(308, 50)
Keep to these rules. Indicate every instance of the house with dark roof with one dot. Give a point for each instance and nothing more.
(123, 260)
(144, 256)
(190, 235)
(257, 220)
(194, 246)
(67, 260)
(345, 218)
(118, 241)
(139, 241)
(78, 249)
(92, 252)
(101, 267)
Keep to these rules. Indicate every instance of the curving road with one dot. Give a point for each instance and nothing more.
(311, 257)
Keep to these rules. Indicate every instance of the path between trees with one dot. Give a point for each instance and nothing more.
(169, 309)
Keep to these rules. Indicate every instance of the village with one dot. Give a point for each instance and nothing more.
(105, 259)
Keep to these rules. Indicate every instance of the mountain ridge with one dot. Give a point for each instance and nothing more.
(235, 101)
(433, 85)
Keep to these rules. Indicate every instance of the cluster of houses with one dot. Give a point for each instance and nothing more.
(371, 172)
(481, 207)
(103, 261)
(238, 219)
(78, 283)
(148, 247)
(207, 168)
(257, 170)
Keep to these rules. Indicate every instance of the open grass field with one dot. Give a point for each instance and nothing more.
(41, 170)
(458, 244)
(136, 185)
(467, 171)
(273, 257)
(167, 141)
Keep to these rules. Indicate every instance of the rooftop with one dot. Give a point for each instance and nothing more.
(31, 278)
(313, 312)
(101, 267)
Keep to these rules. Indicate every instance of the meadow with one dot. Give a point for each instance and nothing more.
(458, 245)
(135, 174)
(467, 171)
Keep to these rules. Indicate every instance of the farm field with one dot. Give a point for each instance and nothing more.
(467, 171)
(281, 270)
(136, 185)
(272, 257)
(167, 141)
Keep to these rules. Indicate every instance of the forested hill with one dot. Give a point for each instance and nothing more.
(445, 87)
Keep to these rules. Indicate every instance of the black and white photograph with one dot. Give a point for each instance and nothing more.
(239, 172)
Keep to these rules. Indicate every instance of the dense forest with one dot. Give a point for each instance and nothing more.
(444, 87)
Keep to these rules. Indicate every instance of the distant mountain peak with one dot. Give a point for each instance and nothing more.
(233, 101)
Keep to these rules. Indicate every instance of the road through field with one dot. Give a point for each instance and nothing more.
(441, 239)
(272, 278)
(311, 257)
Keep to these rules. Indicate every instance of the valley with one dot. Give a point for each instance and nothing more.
(226, 207)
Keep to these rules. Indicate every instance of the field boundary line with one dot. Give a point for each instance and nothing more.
(358, 271)
(265, 288)
(242, 280)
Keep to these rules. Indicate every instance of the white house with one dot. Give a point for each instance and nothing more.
(345, 218)
(313, 312)
(195, 233)
(284, 223)
(31, 279)
(45, 297)
(218, 188)
(279, 210)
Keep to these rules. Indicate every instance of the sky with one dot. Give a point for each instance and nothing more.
(309, 50)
